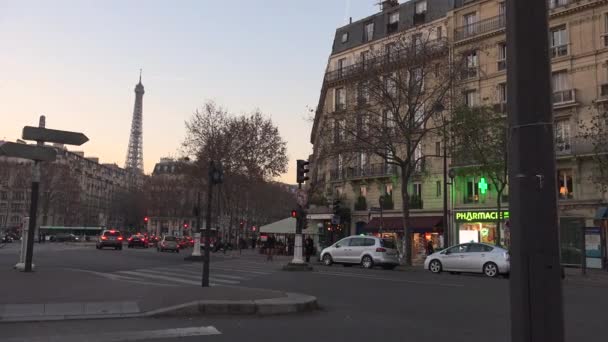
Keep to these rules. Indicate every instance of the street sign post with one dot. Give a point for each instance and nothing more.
(53, 135)
(38, 153)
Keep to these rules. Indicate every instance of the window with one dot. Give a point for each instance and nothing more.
(502, 56)
(3, 206)
(502, 9)
(390, 50)
(418, 157)
(341, 64)
(502, 93)
(605, 32)
(458, 249)
(3, 195)
(393, 23)
(468, 21)
(421, 7)
(340, 163)
(15, 219)
(417, 190)
(417, 42)
(364, 57)
(439, 32)
(565, 188)
(390, 82)
(340, 99)
(419, 115)
(438, 148)
(357, 242)
(479, 248)
(438, 188)
(388, 243)
(369, 242)
(470, 98)
(389, 120)
(562, 92)
(2, 220)
(472, 64)
(472, 195)
(559, 41)
(557, 3)
(363, 93)
(341, 130)
(388, 189)
(562, 136)
(417, 79)
(368, 33)
(344, 37)
(363, 191)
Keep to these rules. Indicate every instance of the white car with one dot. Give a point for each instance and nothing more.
(368, 251)
(470, 257)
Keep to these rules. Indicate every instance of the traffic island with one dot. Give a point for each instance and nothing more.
(295, 267)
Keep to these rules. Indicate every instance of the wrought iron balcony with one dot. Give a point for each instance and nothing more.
(480, 27)
(552, 4)
(574, 146)
(384, 60)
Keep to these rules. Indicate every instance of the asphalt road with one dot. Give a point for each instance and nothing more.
(357, 304)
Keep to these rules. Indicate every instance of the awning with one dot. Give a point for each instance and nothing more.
(418, 224)
(601, 213)
(285, 226)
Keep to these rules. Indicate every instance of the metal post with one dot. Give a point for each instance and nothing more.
(196, 250)
(446, 225)
(297, 244)
(584, 252)
(205, 282)
(535, 281)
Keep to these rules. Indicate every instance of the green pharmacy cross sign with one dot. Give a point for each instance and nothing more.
(483, 185)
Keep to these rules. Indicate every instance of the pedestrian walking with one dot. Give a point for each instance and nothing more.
(429, 248)
(270, 244)
(309, 247)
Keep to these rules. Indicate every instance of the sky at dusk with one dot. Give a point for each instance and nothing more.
(78, 62)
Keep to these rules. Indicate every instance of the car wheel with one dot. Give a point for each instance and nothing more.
(490, 269)
(389, 267)
(435, 266)
(367, 262)
(327, 260)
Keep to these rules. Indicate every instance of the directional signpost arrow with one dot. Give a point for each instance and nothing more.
(53, 135)
(39, 153)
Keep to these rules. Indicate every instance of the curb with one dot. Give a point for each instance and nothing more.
(292, 303)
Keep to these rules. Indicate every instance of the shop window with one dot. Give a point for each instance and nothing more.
(438, 190)
(565, 185)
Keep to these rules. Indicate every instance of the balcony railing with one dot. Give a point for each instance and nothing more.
(416, 202)
(502, 64)
(564, 97)
(552, 4)
(559, 50)
(469, 72)
(574, 146)
(480, 27)
(394, 56)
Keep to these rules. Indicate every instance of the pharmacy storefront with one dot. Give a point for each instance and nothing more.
(480, 225)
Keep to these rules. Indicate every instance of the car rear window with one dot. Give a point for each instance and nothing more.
(111, 233)
(169, 238)
(387, 243)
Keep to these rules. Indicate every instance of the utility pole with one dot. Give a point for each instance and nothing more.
(535, 281)
(297, 263)
(446, 225)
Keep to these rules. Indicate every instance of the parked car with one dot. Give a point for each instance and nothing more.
(65, 238)
(368, 251)
(168, 243)
(137, 240)
(472, 258)
(110, 238)
(6, 239)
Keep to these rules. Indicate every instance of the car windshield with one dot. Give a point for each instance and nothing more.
(170, 238)
(111, 233)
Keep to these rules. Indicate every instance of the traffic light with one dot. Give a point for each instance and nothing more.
(185, 225)
(302, 170)
(145, 219)
(242, 225)
(294, 213)
(254, 228)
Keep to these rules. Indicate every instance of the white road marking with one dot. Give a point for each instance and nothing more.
(237, 270)
(119, 336)
(157, 276)
(198, 273)
(188, 276)
(371, 277)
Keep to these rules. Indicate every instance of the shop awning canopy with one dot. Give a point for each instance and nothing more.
(418, 224)
(284, 226)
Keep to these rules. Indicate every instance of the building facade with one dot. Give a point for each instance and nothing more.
(474, 31)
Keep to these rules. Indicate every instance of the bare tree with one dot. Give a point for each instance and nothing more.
(595, 132)
(401, 97)
(481, 147)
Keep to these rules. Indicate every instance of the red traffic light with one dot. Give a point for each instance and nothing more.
(185, 225)
(146, 219)
(294, 213)
(254, 228)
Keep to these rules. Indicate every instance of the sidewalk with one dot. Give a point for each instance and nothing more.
(64, 294)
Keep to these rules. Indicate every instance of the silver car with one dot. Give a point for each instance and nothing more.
(470, 257)
(168, 243)
(368, 251)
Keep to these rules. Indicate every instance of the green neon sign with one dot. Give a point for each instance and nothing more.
(480, 216)
(483, 185)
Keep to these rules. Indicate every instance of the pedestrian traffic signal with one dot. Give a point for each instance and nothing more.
(302, 170)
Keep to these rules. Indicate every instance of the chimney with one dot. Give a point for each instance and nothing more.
(388, 4)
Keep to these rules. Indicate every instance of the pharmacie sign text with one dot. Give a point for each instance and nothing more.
(477, 216)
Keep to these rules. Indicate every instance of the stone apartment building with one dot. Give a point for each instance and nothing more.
(475, 31)
(75, 191)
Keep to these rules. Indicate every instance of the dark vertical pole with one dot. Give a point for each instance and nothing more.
(584, 252)
(29, 251)
(446, 225)
(205, 282)
(535, 284)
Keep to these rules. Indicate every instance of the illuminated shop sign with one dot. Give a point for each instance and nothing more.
(479, 216)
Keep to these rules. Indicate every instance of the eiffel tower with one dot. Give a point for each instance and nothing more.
(135, 154)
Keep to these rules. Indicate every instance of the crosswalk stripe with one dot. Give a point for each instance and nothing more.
(238, 270)
(198, 272)
(173, 279)
(189, 276)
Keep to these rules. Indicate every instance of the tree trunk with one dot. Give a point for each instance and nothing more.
(498, 219)
(407, 239)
